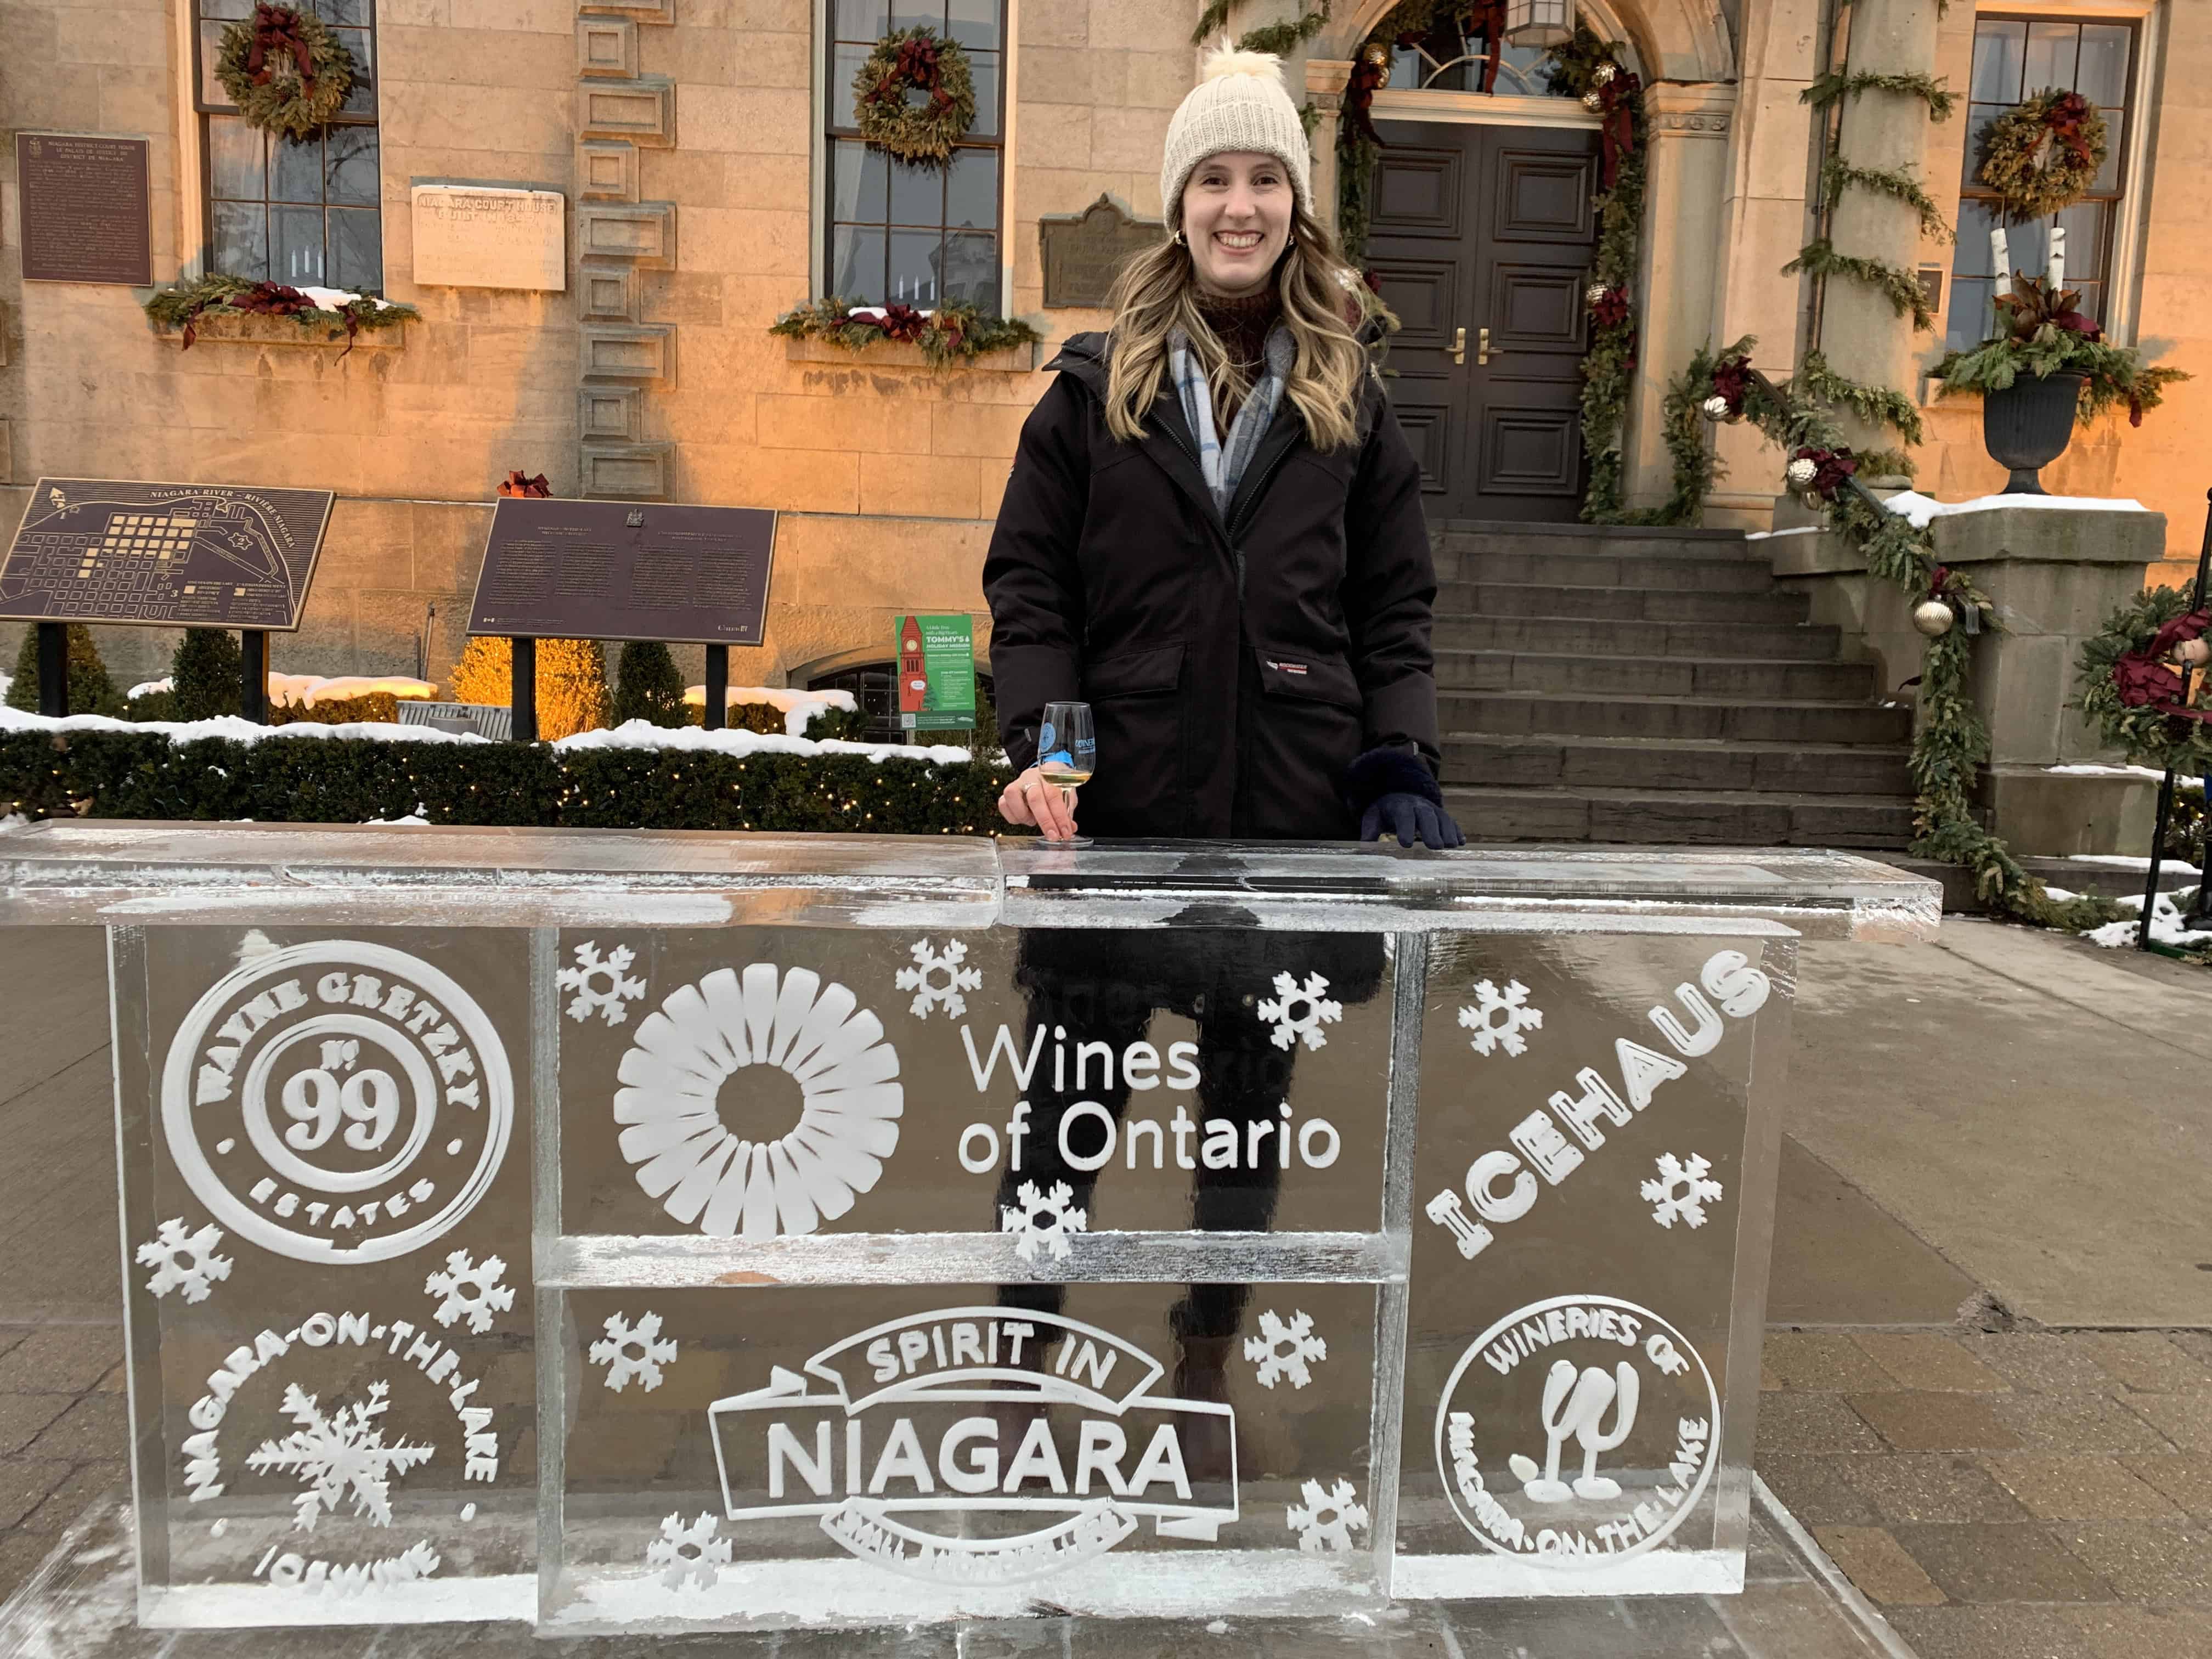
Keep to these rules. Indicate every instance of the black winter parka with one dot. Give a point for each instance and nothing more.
(1235, 668)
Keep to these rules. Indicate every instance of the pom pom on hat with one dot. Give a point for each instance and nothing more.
(1240, 103)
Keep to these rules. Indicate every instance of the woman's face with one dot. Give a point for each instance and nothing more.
(1236, 212)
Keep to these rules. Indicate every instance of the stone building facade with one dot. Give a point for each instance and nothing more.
(706, 190)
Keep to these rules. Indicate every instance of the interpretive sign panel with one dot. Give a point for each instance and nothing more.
(182, 555)
(610, 570)
(490, 236)
(936, 673)
(1084, 251)
(85, 209)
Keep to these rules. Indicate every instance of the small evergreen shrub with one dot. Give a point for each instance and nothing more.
(90, 689)
(206, 676)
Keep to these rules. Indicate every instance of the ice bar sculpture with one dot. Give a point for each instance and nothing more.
(623, 1230)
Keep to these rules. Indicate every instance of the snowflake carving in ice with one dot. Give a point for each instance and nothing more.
(653, 1351)
(183, 1260)
(339, 1456)
(1045, 1220)
(1325, 1521)
(471, 1290)
(690, 1555)
(937, 979)
(1282, 1351)
(1299, 1012)
(1682, 1190)
(603, 985)
(1492, 1034)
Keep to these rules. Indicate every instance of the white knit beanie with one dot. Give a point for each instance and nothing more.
(1239, 104)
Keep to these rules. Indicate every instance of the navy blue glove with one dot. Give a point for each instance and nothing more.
(1392, 790)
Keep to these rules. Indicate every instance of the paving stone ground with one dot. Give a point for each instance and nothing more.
(2014, 1495)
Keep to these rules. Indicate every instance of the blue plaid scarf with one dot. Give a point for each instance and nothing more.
(1223, 464)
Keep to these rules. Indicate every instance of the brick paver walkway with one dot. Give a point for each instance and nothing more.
(2043, 1495)
(62, 1435)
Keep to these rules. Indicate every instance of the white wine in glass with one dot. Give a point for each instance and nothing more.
(1067, 754)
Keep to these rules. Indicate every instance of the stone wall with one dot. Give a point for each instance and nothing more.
(888, 474)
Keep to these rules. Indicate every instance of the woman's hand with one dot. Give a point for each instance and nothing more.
(1030, 799)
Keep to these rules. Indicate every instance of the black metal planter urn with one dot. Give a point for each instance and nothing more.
(2028, 425)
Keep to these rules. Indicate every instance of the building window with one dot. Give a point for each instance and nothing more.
(920, 236)
(303, 213)
(2014, 58)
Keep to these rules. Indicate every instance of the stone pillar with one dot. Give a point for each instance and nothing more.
(1860, 330)
(1676, 277)
(1763, 226)
(1326, 79)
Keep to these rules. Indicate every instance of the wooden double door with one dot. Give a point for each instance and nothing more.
(1482, 239)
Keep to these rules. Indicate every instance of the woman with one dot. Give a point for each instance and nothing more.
(1212, 533)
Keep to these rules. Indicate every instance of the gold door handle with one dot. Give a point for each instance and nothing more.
(1459, 345)
(1482, 347)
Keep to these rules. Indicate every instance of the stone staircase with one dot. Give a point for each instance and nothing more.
(1602, 684)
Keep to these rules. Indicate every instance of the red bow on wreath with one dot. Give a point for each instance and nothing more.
(2065, 118)
(914, 66)
(1618, 99)
(276, 31)
(2142, 677)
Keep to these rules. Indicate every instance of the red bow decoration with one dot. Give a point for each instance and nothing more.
(1610, 308)
(1732, 381)
(517, 484)
(2142, 677)
(1830, 468)
(914, 66)
(2065, 118)
(263, 299)
(1619, 100)
(1487, 19)
(276, 30)
(1359, 90)
(903, 322)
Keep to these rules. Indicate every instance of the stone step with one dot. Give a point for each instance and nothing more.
(1663, 817)
(1546, 761)
(1655, 677)
(1585, 714)
(1511, 564)
(1773, 642)
(1642, 541)
(1618, 604)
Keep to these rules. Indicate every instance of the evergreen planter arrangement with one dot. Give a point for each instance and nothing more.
(2027, 426)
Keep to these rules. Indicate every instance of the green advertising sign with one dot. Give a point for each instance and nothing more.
(936, 673)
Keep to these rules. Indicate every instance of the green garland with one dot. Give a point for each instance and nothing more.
(184, 305)
(1875, 405)
(1827, 89)
(2143, 732)
(910, 60)
(1284, 38)
(1898, 182)
(948, 335)
(257, 62)
(1900, 288)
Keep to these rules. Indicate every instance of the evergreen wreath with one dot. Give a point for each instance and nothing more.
(2043, 154)
(2137, 700)
(907, 62)
(285, 71)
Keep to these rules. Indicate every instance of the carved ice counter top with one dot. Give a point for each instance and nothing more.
(623, 1229)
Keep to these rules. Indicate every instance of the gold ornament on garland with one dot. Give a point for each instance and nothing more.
(905, 64)
(2043, 154)
(1376, 56)
(285, 71)
(1933, 617)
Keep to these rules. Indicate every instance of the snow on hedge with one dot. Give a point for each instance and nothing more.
(634, 735)
(306, 690)
(798, 707)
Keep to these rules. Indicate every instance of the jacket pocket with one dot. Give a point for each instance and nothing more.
(1134, 673)
(1136, 710)
(1318, 678)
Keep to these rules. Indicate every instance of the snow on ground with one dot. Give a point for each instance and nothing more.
(635, 734)
(2093, 769)
(306, 690)
(2129, 861)
(1919, 509)
(2165, 927)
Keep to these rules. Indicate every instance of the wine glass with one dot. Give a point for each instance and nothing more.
(1067, 753)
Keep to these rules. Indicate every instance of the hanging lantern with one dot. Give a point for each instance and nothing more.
(1539, 22)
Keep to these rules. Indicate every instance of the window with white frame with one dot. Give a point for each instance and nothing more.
(300, 212)
(2014, 57)
(920, 236)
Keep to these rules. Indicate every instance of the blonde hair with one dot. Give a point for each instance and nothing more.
(1158, 293)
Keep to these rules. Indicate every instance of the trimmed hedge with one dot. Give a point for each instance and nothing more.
(130, 775)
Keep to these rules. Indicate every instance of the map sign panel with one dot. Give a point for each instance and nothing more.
(612, 570)
(179, 555)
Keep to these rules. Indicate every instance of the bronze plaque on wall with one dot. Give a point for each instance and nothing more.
(613, 570)
(1083, 251)
(85, 212)
(177, 554)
